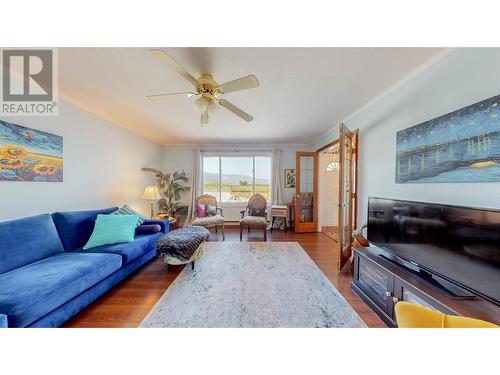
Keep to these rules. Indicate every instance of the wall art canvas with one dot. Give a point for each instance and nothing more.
(461, 146)
(29, 155)
(290, 178)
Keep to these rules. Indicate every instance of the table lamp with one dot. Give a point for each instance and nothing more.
(152, 194)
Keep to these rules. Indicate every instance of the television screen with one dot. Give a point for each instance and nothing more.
(461, 244)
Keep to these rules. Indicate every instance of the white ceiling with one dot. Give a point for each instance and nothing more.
(304, 92)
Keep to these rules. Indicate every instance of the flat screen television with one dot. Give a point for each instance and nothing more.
(458, 244)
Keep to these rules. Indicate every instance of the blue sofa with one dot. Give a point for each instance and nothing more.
(46, 277)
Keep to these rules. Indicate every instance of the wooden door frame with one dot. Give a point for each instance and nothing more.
(355, 175)
(355, 151)
(314, 226)
(329, 145)
(352, 198)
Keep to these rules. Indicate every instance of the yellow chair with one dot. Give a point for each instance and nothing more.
(409, 315)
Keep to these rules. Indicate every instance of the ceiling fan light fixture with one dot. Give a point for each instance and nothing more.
(204, 118)
(212, 107)
(201, 104)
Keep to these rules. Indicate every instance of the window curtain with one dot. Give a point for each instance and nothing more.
(196, 188)
(278, 193)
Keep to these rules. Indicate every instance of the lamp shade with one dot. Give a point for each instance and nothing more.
(151, 193)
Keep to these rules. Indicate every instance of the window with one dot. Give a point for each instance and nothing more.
(234, 178)
(333, 166)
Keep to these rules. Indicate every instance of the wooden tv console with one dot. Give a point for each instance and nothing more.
(381, 284)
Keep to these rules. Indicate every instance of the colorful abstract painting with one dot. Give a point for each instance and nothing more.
(29, 155)
(461, 146)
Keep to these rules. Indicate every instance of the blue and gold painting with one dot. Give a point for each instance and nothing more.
(29, 155)
(461, 146)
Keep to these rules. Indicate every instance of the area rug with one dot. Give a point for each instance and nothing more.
(252, 284)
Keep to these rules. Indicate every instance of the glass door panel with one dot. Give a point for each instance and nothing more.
(306, 192)
(306, 189)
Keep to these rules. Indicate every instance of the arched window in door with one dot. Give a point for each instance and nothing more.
(333, 166)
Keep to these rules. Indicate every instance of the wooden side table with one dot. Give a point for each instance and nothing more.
(173, 222)
(291, 214)
(280, 212)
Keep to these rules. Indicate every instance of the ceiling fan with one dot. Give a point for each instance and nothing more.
(207, 89)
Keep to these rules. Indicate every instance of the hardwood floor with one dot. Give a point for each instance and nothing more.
(129, 302)
(331, 232)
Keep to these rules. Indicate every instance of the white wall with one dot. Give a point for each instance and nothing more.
(102, 167)
(180, 158)
(465, 77)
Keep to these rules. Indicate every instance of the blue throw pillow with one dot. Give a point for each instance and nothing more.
(148, 229)
(211, 210)
(126, 210)
(111, 229)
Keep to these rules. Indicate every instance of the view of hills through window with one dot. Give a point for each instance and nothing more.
(236, 178)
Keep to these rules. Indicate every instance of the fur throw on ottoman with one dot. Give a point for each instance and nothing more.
(182, 243)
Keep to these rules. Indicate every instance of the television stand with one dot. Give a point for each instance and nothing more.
(447, 287)
(381, 282)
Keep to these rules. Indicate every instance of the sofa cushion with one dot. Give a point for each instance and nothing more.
(148, 229)
(254, 220)
(130, 250)
(30, 292)
(208, 221)
(112, 229)
(164, 225)
(75, 227)
(27, 240)
(126, 210)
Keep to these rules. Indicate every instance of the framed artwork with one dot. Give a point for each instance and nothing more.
(290, 178)
(29, 155)
(461, 146)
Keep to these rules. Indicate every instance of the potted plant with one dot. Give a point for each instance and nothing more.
(170, 185)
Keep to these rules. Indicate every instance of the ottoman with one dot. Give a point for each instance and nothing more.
(182, 246)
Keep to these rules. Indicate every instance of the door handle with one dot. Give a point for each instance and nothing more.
(388, 294)
(297, 196)
(395, 299)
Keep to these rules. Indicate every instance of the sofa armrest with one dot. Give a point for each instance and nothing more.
(3, 321)
(164, 224)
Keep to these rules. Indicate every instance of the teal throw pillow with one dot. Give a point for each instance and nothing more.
(111, 229)
(211, 210)
(126, 210)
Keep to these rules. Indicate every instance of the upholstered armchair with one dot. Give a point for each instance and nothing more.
(210, 221)
(410, 315)
(256, 211)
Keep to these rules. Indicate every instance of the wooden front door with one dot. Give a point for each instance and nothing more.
(306, 192)
(347, 197)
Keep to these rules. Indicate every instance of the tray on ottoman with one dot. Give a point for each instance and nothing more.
(182, 246)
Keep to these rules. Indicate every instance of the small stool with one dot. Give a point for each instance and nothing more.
(280, 212)
(176, 244)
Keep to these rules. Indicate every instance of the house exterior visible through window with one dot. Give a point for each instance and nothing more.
(234, 177)
(333, 166)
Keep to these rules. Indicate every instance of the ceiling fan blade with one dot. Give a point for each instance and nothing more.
(243, 83)
(174, 65)
(238, 112)
(204, 118)
(164, 96)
